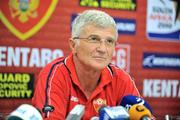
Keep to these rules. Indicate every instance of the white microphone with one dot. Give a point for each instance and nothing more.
(25, 112)
(113, 113)
(76, 113)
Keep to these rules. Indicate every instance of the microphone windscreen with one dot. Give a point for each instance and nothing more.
(25, 112)
(130, 100)
(113, 113)
(76, 113)
(139, 112)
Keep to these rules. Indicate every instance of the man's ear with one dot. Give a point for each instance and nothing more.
(72, 45)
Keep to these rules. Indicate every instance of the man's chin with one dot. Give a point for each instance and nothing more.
(99, 66)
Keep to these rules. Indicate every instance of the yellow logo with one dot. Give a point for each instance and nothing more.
(24, 18)
(23, 9)
(98, 103)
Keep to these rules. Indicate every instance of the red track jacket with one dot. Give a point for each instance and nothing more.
(58, 86)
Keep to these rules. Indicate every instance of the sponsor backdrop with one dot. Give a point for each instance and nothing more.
(34, 32)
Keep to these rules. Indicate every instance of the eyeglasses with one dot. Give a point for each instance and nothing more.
(94, 39)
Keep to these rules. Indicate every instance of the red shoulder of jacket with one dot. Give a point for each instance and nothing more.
(60, 59)
(54, 62)
(116, 70)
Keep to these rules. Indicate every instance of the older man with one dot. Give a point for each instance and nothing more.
(85, 76)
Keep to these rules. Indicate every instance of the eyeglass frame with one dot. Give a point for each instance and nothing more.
(99, 40)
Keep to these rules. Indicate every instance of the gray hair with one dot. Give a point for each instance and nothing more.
(95, 17)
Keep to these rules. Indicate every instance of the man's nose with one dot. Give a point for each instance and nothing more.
(102, 46)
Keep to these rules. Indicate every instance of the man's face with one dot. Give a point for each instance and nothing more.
(95, 55)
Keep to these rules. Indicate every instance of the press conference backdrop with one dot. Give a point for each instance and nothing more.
(34, 32)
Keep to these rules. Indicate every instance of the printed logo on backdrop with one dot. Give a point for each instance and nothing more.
(163, 20)
(27, 57)
(161, 88)
(121, 57)
(31, 14)
(16, 85)
(124, 26)
(111, 4)
(161, 61)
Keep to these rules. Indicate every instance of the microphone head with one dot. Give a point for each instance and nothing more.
(76, 113)
(131, 100)
(139, 112)
(25, 112)
(113, 113)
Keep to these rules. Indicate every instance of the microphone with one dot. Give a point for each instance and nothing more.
(25, 112)
(139, 112)
(130, 100)
(76, 113)
(113, 113)
(170, 117)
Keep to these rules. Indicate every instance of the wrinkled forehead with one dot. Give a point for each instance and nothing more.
(95, 29)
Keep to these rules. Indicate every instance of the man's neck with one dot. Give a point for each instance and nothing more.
(88, 77)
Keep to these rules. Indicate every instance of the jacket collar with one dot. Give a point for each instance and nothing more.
(106, 74)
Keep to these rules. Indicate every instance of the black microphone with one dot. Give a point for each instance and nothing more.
(76, 113)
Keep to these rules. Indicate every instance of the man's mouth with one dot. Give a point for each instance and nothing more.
(100, 58)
